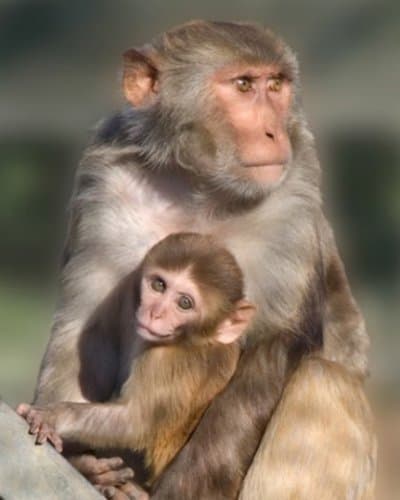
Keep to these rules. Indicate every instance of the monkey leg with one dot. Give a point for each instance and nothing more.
(320, 443)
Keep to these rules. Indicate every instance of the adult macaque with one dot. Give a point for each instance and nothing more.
(191, 312)
(214, 140)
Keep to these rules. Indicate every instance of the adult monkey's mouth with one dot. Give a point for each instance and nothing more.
(267, 172)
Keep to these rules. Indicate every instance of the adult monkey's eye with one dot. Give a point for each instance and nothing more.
(244, 83)
(158, 284)
(275, 84)
(185, 302)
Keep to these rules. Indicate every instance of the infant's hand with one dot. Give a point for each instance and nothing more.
(39, 425)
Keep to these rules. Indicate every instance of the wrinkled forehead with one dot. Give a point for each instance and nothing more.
(208, 50)
(244, 38)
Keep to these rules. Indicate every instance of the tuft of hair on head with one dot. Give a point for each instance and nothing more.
(214, 269)
(212, 43)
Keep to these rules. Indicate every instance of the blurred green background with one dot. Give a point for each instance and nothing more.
(59, 74)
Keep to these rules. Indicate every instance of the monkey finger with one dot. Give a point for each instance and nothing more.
(106, 491)
(56, 441)
(134, 492)
(23, 409)
(119, 495)
(46, 433)
(31, 415)
(42, 434)
(32, 425)
(89, 465)
(116, 477)
(108, 464)
(35, 421)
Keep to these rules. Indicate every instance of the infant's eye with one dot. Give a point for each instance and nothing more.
(185, 302)
(244, 83)
(158, 284)
(275, 84)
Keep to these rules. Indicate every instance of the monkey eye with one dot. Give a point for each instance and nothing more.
(185, 302)
(244, 83)
(158, 284)
(275, 83)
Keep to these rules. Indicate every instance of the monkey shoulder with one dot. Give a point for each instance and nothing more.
(117, 208)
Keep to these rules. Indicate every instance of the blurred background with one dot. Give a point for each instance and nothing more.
(59, 74)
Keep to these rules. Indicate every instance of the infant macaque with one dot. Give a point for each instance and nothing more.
(184, 313)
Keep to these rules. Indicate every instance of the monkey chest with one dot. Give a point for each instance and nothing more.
(145, 215)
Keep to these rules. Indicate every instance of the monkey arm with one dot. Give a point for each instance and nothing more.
(88, 278)
(94, 425)
(346, 340)
(140, 417)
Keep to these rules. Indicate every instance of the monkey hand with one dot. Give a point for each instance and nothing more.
(40, 425)
(127, 491)
(109, 476)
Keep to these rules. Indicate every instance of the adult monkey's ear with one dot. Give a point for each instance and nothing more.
(140, 76)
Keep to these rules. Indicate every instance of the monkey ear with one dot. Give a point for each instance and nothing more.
(233, 327)
(139, 77)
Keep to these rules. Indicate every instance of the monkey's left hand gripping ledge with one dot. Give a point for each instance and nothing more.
(30, 472)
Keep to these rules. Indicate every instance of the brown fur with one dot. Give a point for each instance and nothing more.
(169, 386)
(168, 389)
(319, 433)
(172, 165)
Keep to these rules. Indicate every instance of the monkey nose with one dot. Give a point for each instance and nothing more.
(270, 135)
(157, 312)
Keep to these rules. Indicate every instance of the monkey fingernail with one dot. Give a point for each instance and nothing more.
(116, 463)
(126, 474)
(106, 491)
(109, 492)
(39, 440)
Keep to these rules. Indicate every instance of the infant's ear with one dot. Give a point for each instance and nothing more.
(234, 326)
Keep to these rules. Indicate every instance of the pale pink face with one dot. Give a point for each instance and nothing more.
(256, 100)
(169, 300)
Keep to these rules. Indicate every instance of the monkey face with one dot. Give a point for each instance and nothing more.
(256, 101)
(169, 300)
(230, 105)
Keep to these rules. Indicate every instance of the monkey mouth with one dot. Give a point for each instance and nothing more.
(272, 166)
(151, 335)
(267, 172)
